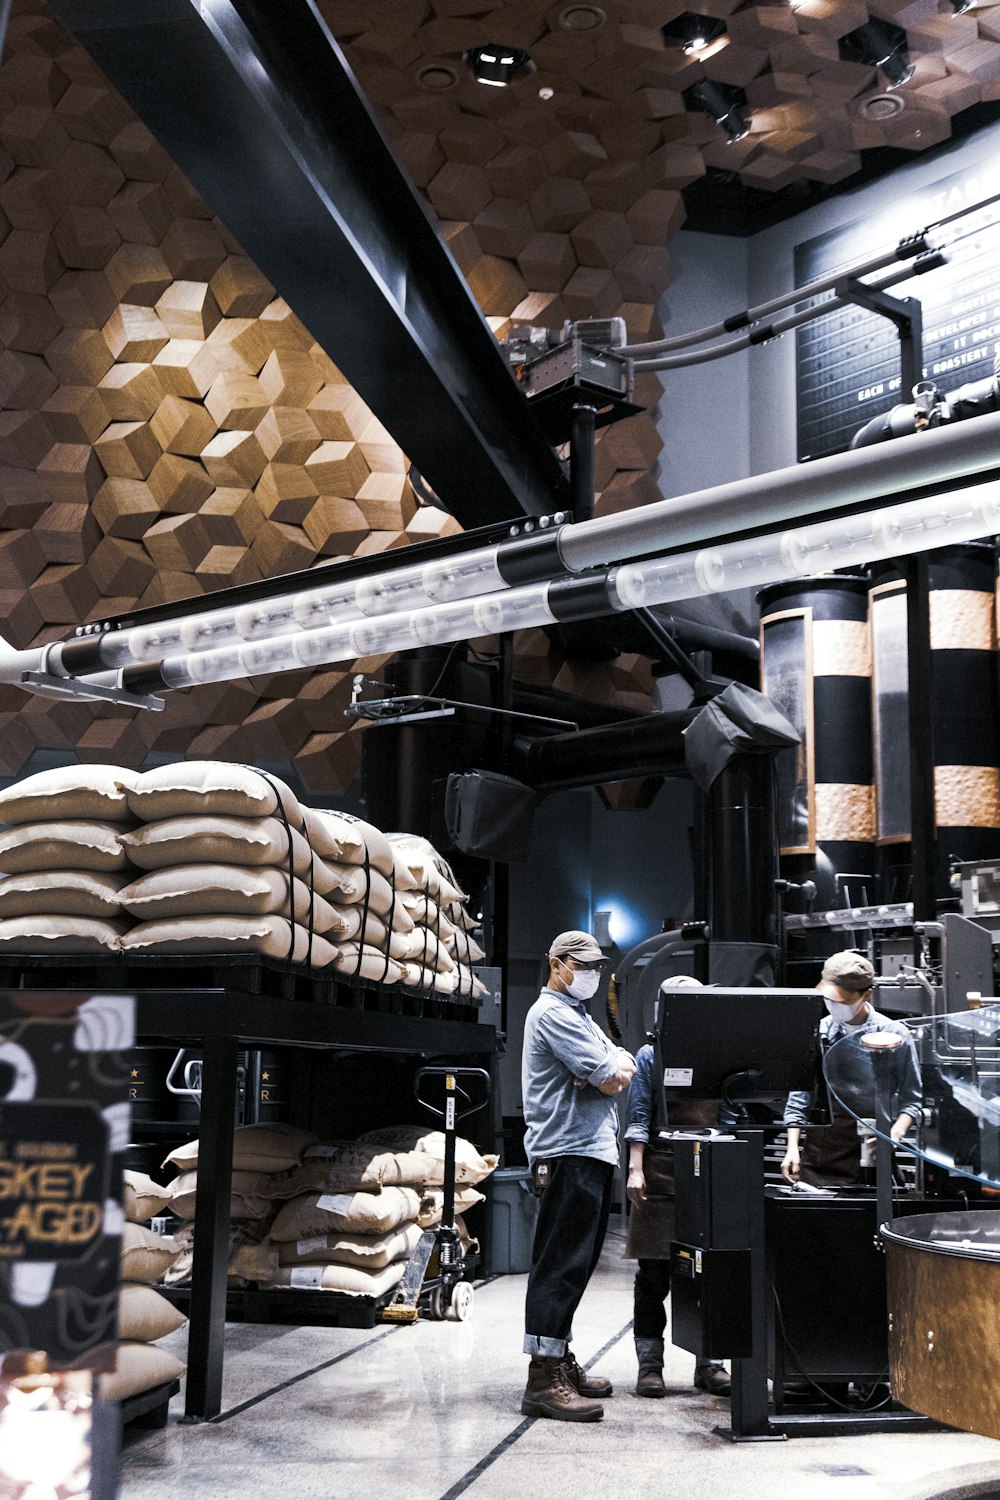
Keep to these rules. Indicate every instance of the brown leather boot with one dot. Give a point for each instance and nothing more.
(550, 1393)
(584, 1384)
(650, 1381)
(649, 1353)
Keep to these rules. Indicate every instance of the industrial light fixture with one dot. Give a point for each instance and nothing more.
(881, 45)
(497, 65)
(725, 104)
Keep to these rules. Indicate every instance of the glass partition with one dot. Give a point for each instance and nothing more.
(786, 678)
(890, 711)
(959, 1060)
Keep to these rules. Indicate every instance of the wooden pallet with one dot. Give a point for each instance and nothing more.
(149, 1408)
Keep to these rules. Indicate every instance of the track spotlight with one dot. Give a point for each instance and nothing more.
(695, 33)
(883, 46)
(725, 104)
(497, 65)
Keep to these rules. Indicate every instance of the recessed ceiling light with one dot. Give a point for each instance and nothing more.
(882, 107)
(438, 76)
(582, 18)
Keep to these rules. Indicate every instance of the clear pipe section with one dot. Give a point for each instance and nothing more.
(311, 609)
(784, 496)
(513, 609)
(919, 525)
(961, 516)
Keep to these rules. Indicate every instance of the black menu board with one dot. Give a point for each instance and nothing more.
(64, 1125)
(847, 363)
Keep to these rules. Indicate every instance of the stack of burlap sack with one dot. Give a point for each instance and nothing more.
(343, 1215)
(227, 866)
(259, 1153)
(441, 942)
(63, 862)
(208, 857)
(144, 1316)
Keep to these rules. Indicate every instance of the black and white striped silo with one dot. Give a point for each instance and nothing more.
(816, 666)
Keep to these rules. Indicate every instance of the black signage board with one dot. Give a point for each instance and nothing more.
(64, 1126)
(847, 363)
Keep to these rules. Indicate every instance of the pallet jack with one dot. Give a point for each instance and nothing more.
(449, 1293)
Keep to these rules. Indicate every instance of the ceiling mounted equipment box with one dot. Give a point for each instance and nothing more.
(489, 815)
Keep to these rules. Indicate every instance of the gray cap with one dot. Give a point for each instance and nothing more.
(850, 971)
(576, 945)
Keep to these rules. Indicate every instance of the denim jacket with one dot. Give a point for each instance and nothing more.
(906, 1072)
(562, 1042)
(639, 1099)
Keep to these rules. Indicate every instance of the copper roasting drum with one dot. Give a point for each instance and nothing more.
(943, 1274)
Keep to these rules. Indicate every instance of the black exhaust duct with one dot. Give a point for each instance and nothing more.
(649, 746)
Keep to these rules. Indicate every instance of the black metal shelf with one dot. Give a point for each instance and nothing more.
(149, 1408)
(222, 1005)
(248, 973)
(298, 1306)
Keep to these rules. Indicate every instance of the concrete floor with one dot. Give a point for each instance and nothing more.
(431, 1411)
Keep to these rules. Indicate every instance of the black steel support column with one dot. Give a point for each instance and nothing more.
(749, 1406)
(209, 1272)
(743, 852)
(907, 315)
(257, 106)
(923, 830)
(581, 460)
(499, 933)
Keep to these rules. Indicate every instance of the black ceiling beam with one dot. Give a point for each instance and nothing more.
(255, 103)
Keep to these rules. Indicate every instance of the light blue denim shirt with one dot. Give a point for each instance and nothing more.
(907, 1087)
(562, 1042)
(639, 1100)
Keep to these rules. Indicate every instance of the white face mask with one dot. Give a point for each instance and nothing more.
(585, 983)
(841, 1012)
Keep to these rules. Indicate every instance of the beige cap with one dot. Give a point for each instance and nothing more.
(850, 971)
(576, 945)
(687, 979)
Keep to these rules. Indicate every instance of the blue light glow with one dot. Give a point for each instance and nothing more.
(625, 925)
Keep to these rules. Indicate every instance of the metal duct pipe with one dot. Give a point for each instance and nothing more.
(842, 480)
(694, 636)
(651, 746)
(743, 852)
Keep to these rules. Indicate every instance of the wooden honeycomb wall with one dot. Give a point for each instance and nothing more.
(168, 427)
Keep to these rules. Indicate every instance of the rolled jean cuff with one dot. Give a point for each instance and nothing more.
(540, 1347)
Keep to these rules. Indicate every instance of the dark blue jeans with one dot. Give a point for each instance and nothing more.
(652, 1287)
(572, 1222)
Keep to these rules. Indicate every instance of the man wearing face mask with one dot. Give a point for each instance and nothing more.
(831, 1155)
(571, 1075)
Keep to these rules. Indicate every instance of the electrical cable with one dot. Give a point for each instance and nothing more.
(777, 304)
(764, 333)
(913, 245)
(801, 1370)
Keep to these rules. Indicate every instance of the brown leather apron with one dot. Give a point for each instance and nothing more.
(831, 1154)
(651, 1223)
